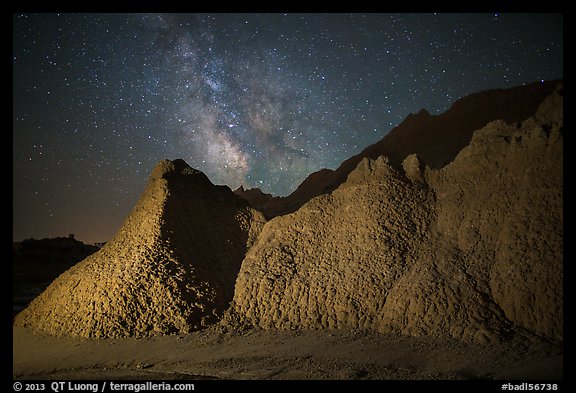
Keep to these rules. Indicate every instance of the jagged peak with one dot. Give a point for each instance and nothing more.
(413, 167)
(178, 167)
(421, 113)
(551, 110)
(369, 170)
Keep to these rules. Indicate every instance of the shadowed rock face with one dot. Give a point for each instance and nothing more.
(473, 250)
(171, 267)
(435, 139)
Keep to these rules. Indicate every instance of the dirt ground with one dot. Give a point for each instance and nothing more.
(286, 355)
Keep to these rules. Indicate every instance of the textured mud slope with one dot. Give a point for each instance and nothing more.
(473, 250)
(500, 204)
(332, 263)
(171, 267)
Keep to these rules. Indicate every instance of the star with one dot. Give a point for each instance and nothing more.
(249, 99)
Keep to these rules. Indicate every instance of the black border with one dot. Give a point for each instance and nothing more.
(355, 7)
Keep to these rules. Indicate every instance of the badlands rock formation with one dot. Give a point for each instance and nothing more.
(171, 267)
(472, 250)
(435, 139)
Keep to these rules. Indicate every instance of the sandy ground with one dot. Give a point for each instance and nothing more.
(285, 355)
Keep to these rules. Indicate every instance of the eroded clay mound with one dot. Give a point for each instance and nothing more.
(332, 263)
(171, 267)
(473, 250)
(500, 204)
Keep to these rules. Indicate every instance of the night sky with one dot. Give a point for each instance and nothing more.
(260, 100)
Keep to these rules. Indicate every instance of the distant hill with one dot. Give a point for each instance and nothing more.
(435, 139)
(37, 262)
(57, 249)
(472, 250)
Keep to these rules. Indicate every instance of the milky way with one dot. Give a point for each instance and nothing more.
(259, 100)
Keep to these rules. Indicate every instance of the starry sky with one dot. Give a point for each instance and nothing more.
(259, 100)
